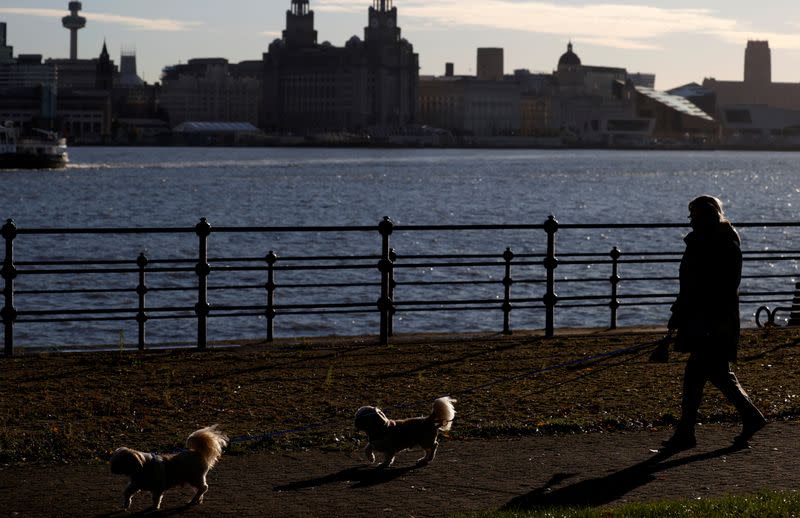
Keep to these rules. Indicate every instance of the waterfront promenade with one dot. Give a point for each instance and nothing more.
(478, 475)
(564, 421)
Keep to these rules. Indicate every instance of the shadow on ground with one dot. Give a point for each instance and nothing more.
(610, 488)
(361, 476)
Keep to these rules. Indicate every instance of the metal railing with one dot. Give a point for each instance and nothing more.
(387, 274)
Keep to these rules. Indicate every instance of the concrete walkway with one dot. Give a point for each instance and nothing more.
(590, 469)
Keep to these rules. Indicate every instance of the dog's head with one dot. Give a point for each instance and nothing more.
(125, 461)
(371, 420)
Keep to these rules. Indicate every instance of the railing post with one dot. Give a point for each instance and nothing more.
(508, 255)
(614, 304)
(202, 269)
(141, 290)
(385, 305)
(9, 273)
(392, 286)
(271, 259)
(550, 263)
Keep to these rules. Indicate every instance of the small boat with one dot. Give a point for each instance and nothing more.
(37, 149)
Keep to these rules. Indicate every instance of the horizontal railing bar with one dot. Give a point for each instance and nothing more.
(76, 291)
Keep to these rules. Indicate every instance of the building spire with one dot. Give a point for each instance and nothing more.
(382, 5)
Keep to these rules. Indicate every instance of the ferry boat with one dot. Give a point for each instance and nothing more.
(37, 149)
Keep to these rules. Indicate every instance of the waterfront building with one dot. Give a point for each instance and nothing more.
(757, 86)
(468, 106)
(490, 64)
(6, 51)
(367, 85)
(211, 90)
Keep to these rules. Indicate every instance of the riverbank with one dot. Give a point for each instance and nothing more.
(302, 393)
(562, 421)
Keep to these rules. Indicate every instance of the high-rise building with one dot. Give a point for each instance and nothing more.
(757, 87)
(757, 63)
(6, 51)
(312, 87)
(490, 64)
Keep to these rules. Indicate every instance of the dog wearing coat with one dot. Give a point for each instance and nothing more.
(157, 473)
(389, 436)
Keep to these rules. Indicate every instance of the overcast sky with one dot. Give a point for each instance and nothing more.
(678, 40)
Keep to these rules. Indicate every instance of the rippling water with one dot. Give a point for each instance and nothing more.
(136, 187)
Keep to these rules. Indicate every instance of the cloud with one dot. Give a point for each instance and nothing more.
(147, 24)
(626, 26)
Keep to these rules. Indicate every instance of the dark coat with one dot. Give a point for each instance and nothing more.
(706, 313)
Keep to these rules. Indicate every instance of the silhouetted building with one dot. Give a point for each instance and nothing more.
(74, 23)
(490, 64)
(128, 76)
(6, 51)
(757, 63)
(467, 106)
(757, 87)
(701, 97)
(365, 85)
(211, 90)
(27, 71)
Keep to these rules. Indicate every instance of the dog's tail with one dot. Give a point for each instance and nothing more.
(443, 413)
(208, 442)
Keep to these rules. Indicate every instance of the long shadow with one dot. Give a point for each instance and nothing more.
(147, 512)
(362, 476)
(604, 490)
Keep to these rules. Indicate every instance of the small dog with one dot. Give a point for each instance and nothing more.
(390, 437)
(157, 473)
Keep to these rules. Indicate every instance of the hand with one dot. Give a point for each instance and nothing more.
(673, 322)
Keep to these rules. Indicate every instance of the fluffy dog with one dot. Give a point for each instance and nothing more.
(157, 473)
(392, 436)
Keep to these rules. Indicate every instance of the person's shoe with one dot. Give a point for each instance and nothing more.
(749, 429)
(679, 442)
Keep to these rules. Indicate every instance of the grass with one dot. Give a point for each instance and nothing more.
(299, 394)
(768, 504)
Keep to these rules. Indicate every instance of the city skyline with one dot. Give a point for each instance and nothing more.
(640, 36)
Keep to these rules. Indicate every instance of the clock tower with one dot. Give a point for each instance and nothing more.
(382, 23)
(300, 31)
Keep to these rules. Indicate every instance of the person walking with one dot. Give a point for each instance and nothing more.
(706, 318)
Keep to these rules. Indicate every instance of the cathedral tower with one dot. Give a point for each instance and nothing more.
(757, 63)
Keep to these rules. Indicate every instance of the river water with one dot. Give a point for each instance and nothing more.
(175, 187)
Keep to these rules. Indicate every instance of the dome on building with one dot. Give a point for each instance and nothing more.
(355, 41)
(277, 44)
(569, 58)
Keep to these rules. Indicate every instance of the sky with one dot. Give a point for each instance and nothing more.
(680, 41)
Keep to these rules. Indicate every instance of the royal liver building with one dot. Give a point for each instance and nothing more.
(366, 85)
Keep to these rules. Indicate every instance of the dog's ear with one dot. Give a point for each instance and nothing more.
(125, 461)
(370, 419)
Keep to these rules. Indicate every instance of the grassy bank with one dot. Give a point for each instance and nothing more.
(775, 505)
(303, 393)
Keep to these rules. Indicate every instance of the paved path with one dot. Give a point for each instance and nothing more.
(591, 469)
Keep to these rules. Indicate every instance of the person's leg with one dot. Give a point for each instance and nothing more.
(694, 379)
(721, 375)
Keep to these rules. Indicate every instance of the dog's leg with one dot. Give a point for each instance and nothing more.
(201, 490)
(127, 495)
(157, 496)
(369, 453)
(430, 453)
(388, 460)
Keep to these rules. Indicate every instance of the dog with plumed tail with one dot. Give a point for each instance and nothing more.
(390, 437)
(157, 473)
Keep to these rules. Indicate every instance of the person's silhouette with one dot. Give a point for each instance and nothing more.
(706, 318)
